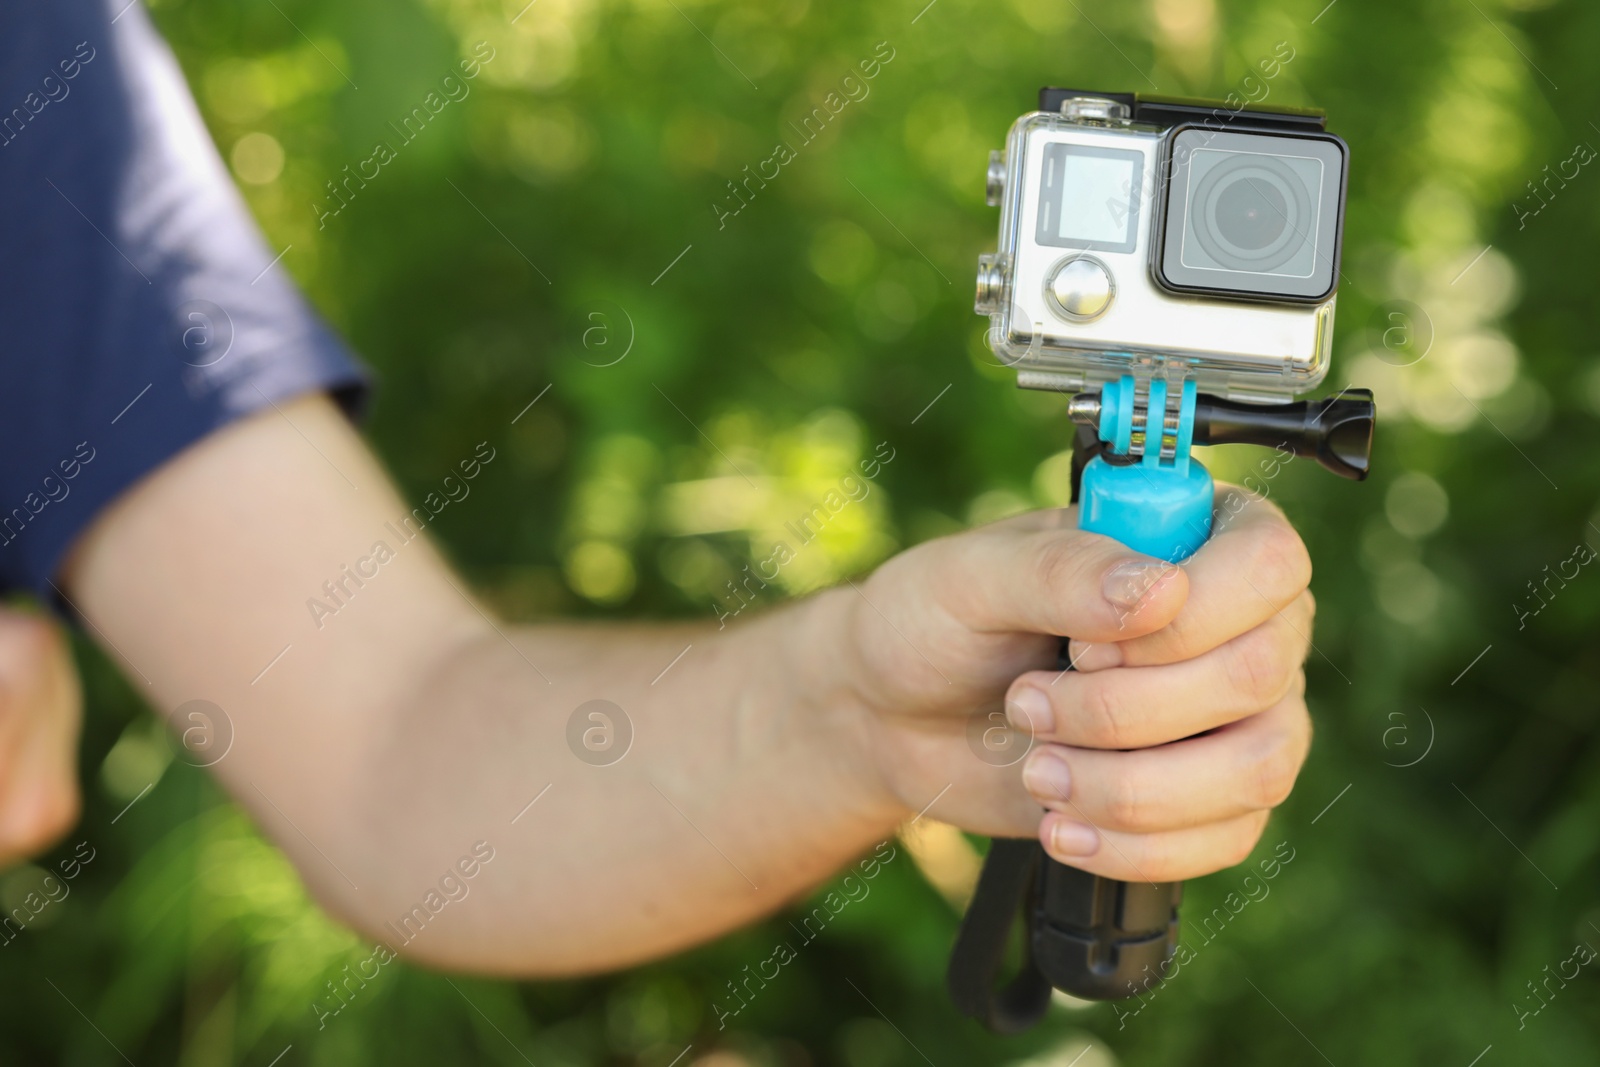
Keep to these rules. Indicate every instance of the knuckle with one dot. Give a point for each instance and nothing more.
(1303, 726)
(1276, 767)
(1106, 722)
(1242, 842)
(1182, 638)
(1127, 806)
(1058, 563)
(1158, 861)
(1257, 667)
(1282, 560)
(1159, 858)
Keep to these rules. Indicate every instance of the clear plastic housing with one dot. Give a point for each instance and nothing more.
(1232, 347)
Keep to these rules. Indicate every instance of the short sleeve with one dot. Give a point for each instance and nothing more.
(140, 307)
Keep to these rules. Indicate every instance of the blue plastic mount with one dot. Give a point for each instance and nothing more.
(1161, 508)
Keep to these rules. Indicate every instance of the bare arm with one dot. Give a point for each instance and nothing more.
(399, 732)
(381, 745)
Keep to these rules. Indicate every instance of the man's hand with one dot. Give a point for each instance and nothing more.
(40, 710)
(1162, 755)
(382, 742)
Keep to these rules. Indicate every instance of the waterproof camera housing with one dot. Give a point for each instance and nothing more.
(1165, 238)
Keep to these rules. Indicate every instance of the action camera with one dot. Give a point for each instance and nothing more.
(1165, 238)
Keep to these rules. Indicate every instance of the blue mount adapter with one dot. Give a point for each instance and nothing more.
(1157, 505)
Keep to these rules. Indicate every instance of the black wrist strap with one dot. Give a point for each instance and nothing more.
(1005, 888)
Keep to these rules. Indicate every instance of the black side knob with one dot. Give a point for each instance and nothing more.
(1336, 432)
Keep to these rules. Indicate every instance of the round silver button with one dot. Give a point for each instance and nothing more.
(1081, 288)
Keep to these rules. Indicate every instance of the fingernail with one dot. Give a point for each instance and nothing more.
(1127, 583)
(1030, 712)
(1087, 657)
(1074, 839)
(1047, 776)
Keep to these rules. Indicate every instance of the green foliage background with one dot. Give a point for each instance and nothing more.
(520, 242)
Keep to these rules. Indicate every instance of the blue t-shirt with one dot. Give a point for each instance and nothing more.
(140, 308)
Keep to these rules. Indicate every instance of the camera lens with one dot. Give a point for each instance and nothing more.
(1252, 213)
(1255, 215)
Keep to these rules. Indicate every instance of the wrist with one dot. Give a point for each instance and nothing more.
(818, 683)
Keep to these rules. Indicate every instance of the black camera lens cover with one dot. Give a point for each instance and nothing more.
(1257, 215)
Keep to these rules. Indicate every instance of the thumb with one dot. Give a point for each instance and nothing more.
(1024, 576)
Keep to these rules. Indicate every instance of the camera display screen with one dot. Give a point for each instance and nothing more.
(1253, 214)
(1089, 198)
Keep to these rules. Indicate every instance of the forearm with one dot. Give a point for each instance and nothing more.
(747, 780)
(378, 746)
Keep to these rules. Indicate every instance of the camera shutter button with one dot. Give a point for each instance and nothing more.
(1081, 288)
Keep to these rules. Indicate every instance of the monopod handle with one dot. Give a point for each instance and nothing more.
(1097, 938)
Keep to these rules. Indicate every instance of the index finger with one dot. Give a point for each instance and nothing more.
(1253, 567)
